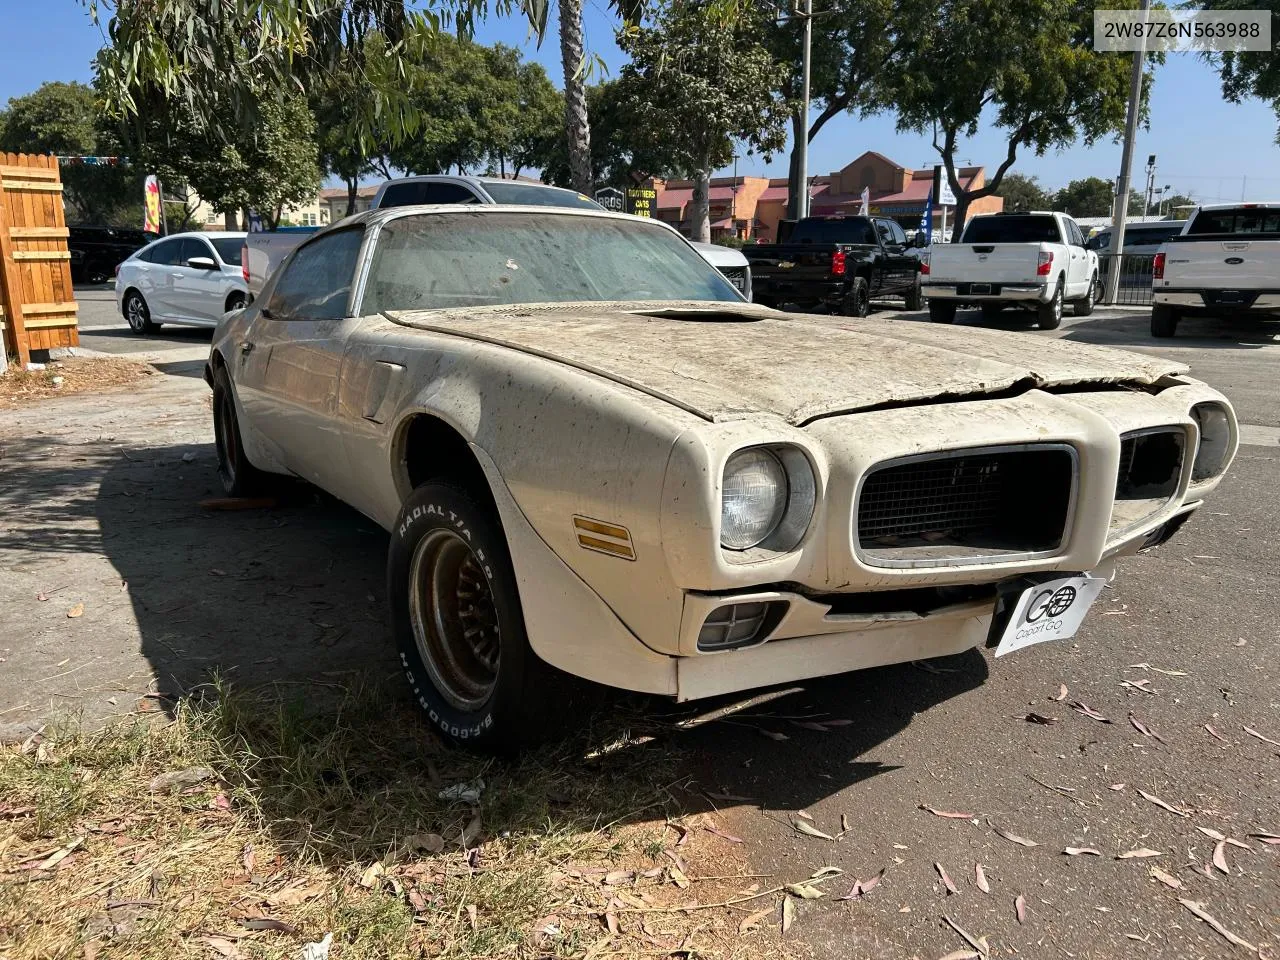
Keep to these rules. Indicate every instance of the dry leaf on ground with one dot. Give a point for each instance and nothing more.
(1168, 879)
(1198, 910)
(76, 611)
(810, 830)
(1088, 711)
(1020, 908)
(1081, 851)
(1013, 837)
(754, 919)
(1162, 805)
(178, 779)
(948, 814)
(1139, 853)
(804, 891)
(980, 878)
(1220, 857)
(1062, 693)
(946, 880)
(788, 914)
(1215, 734)
(1249, 730)
(726, 836)
(1143, 729)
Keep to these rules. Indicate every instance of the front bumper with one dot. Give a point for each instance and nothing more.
(989, 292)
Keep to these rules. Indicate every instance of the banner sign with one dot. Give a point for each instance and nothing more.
(942, 187)
(151, 205)
(611, 199)
(641, 201)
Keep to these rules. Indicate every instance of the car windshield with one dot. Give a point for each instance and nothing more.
(437, 261)
(534, 195)
(1017, 229)
(229, 249)
(833, 230)
(1237, 220)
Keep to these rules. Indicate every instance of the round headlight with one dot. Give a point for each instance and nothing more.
(1215, 440)
(755, 498)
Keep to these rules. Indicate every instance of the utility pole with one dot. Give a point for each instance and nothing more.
(1126, 164)
(798, 207)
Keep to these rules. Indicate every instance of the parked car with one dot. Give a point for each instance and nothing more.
(730, 262)
(592, 455)
(1139, 238)
(1036, 260)
(265, 251)
(97, 251)
(1226, 262)
(837, 263)
(187, 278)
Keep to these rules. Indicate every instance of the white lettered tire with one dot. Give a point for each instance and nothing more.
(458, 624)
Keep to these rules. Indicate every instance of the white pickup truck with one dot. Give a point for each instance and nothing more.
(1036, 260)
(263, 252)
(1226, 262)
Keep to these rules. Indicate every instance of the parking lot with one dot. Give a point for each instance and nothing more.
(1156, 729)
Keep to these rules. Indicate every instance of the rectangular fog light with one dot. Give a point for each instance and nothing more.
(737, 625)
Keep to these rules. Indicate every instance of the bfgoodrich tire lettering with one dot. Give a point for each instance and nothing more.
(455, 694)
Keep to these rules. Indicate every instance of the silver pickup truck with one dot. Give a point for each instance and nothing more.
(263, 252)
(1226, 262)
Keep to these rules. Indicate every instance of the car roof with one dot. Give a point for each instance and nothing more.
(383, 214)
(207, 234)
(1243, 204)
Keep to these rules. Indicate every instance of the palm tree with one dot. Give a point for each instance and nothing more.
(577, 126)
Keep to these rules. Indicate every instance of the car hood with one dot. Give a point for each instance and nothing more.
(725, 360)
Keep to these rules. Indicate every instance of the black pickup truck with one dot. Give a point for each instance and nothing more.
(837, 263)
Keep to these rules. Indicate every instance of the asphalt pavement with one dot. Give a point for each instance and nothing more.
(1166, 737)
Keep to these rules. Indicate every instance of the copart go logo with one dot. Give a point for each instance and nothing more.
(1050, 603)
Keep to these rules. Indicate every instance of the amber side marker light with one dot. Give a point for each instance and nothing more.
(604, 538)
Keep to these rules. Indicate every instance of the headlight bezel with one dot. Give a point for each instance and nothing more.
(1218, 440)
(799, 499)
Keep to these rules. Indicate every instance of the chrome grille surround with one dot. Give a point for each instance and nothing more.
(993, 504)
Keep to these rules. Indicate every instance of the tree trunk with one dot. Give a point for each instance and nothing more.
(701, 207)
(576, 124)
(353, 190)
(229, 220)
(959, 215)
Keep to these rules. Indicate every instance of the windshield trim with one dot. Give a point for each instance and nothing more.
(373, 232)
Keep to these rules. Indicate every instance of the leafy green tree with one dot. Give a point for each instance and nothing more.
(615, 153)
(696, 84)
(1026, 66)
(1251, 73)
(63, 119)
(1021, 192)
(520, 105)
(1090, 197)
(854, 50)
(1169, 205)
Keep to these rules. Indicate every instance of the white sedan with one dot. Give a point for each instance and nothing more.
(187, 278)
(592, 454)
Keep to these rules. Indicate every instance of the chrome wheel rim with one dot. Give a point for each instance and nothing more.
(454, 618)
(135, 314)
(1057, 303)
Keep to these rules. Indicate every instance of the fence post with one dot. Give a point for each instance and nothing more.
(11, 284)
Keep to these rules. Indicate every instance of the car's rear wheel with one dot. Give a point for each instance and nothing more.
(239, 477)
(914, 300)
(138, 314)
(942, 312)
(236, 301)
(1082, 308)
(1164, 320)
(458, 622)
(857, 302)
(1049, 315)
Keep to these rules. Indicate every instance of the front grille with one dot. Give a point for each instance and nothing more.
(737, 276)
(968, 506)
(1149, 473)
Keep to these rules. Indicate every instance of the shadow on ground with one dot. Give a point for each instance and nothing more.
(292, 598)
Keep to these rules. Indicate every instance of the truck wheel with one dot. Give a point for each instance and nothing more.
(1082, 308)
(458, 623)
(857, 302)
(1164, 320)
(940, 311)
(914, 300)
(1049, 315)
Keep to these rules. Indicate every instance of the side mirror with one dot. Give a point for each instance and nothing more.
(918, 239)
(202, 263)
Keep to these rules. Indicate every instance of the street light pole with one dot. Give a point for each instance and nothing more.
(1126, 163)
(801, 201)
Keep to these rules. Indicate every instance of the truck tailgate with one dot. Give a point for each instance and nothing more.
(984, 263)
(1235, 263)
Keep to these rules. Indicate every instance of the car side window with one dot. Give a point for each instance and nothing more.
(316, 284)
(449, 193)
(165, 253)
(886, 235)
(416, 192)
(899, 236)
(195, 247)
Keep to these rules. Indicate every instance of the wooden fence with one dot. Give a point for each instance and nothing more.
(37, 305)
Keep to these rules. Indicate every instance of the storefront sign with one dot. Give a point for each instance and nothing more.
(610, 198)
(641, 201)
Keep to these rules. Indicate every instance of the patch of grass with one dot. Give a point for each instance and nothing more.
(327, 816)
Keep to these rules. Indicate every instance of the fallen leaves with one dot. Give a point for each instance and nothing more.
(425, 843)
(1198, 909)
(1220, 857)
(804, 891)
(372, 875)
(1215, 734)
(1140, 853)
(980, 878)
(809, 830)
(1020, 908)
(774, 735)
(1168, 879)
(77, 610)
(946, 880)
(1081, 852)
(1162, 805)
(755, 918)
(948, 814)
(788, 914)
(1040, 719)
(724, 836)
(1143, 729)
(180, 779)
(861, 888)
(1088, 711)
(1249, 730)
(1062, 693)
(1013, 837)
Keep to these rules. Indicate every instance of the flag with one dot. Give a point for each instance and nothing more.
(866, 202)
(926, 219)
(151, 205)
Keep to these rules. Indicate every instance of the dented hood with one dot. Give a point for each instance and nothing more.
(731, 360)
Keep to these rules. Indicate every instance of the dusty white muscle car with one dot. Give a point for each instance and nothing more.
(590, 452)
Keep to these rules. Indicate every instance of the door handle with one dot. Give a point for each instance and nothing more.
(246, 346)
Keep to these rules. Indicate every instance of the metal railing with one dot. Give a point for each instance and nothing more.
(1135, 276)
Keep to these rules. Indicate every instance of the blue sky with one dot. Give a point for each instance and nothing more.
(1204, 146)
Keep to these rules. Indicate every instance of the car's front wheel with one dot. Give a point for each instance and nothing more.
(458, 623)
(138, 314)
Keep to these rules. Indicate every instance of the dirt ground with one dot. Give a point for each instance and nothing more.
(118, 586)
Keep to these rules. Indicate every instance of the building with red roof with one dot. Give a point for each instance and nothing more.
(752, 206)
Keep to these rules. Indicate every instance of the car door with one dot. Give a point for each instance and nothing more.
(291, 358)
(197, 291)
(1079, 269)
(155, 277)
(897, 266)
